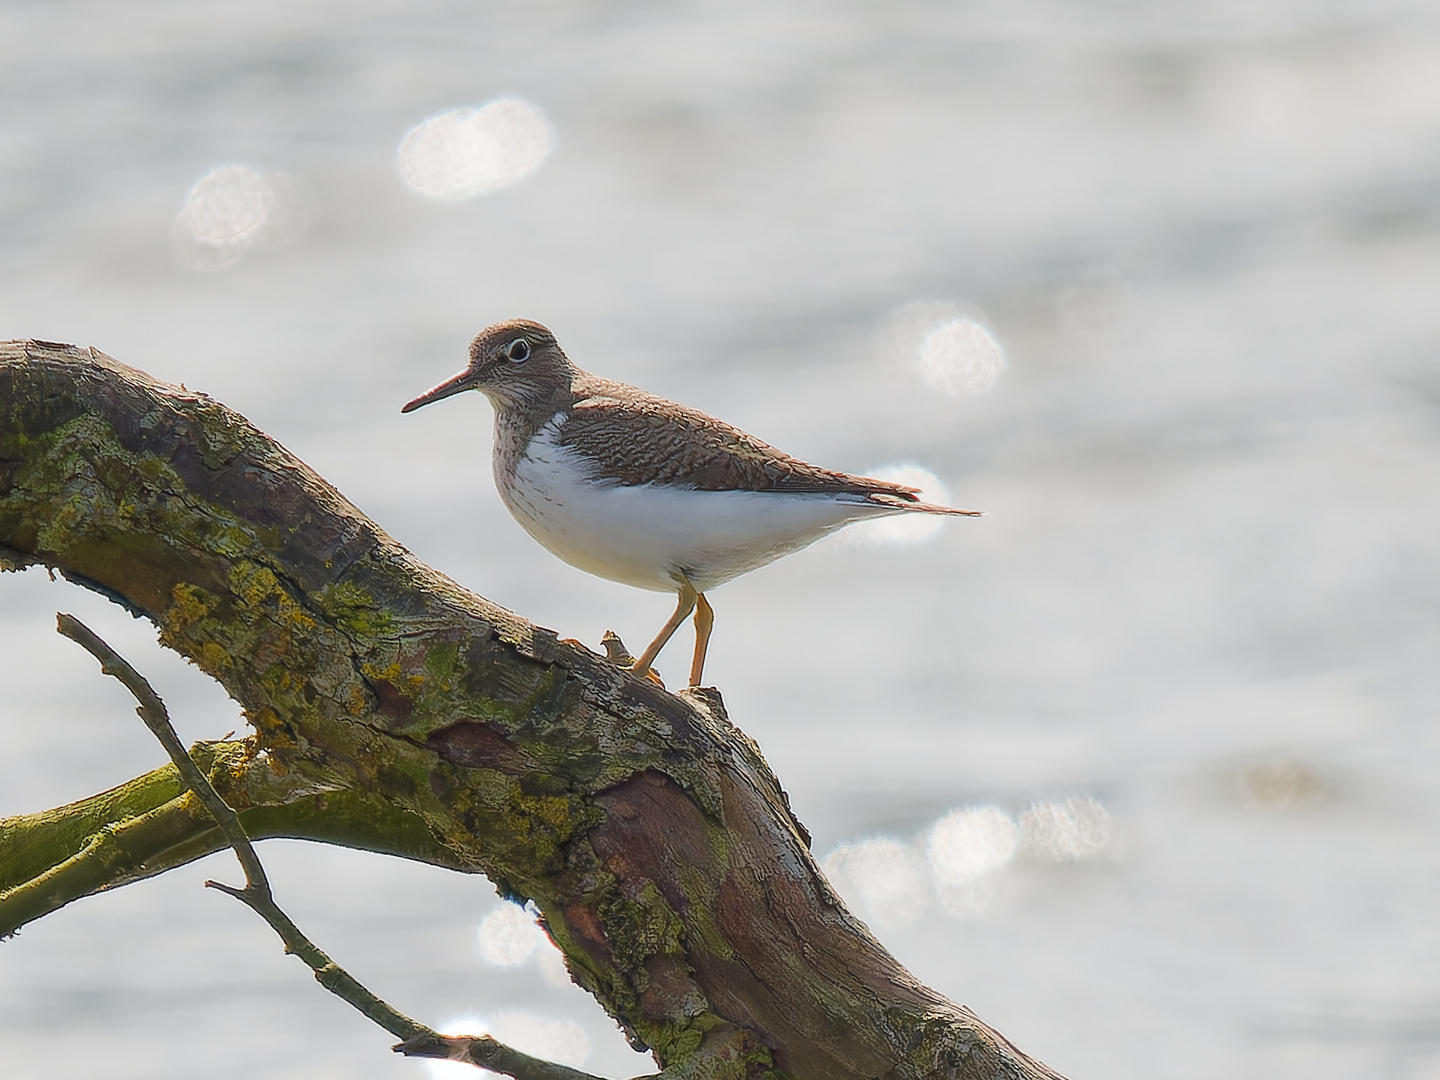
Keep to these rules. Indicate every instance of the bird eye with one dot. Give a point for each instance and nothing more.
(519, 351)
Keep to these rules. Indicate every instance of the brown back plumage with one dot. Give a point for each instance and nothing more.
(644, 439)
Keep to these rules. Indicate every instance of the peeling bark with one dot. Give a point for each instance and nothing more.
(395, 711)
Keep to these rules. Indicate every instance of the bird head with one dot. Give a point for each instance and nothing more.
(514, 363)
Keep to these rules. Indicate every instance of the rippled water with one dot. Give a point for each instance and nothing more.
(1142, 765)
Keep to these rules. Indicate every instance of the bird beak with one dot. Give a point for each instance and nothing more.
(463, 381)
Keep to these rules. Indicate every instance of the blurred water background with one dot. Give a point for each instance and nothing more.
(1143, 765)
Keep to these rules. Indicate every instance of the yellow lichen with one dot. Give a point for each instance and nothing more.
(255, 586)
(212, 657)
(190, 606)
(394, 674)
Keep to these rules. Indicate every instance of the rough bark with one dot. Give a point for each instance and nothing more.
(395, 711)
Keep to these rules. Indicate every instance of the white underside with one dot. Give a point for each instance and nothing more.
(652, 535)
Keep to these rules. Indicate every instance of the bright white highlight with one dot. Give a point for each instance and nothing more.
(466, 152)
(965, 849)
(951, 348)
(885, 878)
(560, 1041)
(454, 1070)
(903, 529)
(508, 935)
(227, 204)
(960, 357)
(1078, 828)
(228, 211)
(965, 853)
(966, 844)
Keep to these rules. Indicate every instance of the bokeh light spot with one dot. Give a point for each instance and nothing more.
(228, 204)
(1281, 784)
(508, 935)
(452, 1070)
(1078, 828)
(561, 1041)
(901, 529)
(948, 346)
(961, 858)
(228, 210)
(961, 357)
(885, 879)
(969, 843)
(965, 849)
(465, 152)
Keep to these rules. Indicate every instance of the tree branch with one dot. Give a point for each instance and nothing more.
(420, 1040)
(256, 894)
(646, 827)
(152, 710)
(484, 1052)
(149, 825)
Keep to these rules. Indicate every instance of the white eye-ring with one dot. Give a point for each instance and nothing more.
(519, 351)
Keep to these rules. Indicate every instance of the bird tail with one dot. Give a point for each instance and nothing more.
(901, 502)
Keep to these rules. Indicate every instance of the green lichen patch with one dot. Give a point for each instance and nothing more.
(220, 435)
(641, 926)
(354, 612)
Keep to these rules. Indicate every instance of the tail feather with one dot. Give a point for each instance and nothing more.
(901, 502)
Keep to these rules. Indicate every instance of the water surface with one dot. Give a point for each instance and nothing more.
(1204, 599)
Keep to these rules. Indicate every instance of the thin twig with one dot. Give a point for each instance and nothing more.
(152, 710)
(485, 1052)
(419, 1040)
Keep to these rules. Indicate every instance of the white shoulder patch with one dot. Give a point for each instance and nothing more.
(550, 430)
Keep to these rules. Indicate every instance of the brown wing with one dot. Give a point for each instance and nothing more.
(648, 440)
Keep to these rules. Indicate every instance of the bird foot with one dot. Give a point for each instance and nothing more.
(618, 655)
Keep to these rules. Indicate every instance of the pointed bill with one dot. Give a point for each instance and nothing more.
(460, 382)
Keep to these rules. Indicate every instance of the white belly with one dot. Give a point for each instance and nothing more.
(649, 535)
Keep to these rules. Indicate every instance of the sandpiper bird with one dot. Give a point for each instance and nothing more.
(641, 490)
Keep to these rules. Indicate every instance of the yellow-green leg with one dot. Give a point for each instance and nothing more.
(704, 621)
(686, 604)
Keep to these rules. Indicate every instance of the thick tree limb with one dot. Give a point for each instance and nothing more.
(646, 827)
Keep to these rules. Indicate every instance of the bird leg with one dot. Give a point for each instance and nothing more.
(683, 608)
(704, 620)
